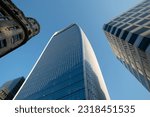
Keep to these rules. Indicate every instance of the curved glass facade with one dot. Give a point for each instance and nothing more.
(61, 71)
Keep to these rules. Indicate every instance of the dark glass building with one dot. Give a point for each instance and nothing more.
(10, 88)
(67, 69)
(129, 37)
(15, 28)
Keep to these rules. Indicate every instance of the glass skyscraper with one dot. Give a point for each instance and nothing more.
(67, 69)
(129, 37)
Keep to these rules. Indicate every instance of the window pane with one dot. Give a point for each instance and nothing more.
(133, 38)
(118, 32)
(143, 22)
(142, 30)
(134, 20)
(144, 44)
(114, 29)
(131, 28)
(124, 26)
(144, 15)
(124, 35)
(3, 43)
(136, 15)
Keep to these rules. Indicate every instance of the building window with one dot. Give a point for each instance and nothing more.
(131, 28)
(141, 30)
(134, 20)
(118, 25)
(114, 29)
(105, 27)
(144, 43)
(133, 38)
(2, 18)
(125, 34)
(137, 14)
(124, 26)
(112, 23)
(146, 9)
(118, 32)
(3, 43)
(16, 38)
(143, 21)
(144, 15)
(109, 28)
(120, 19)
(36, 30)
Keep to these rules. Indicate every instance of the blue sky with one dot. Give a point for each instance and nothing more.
(91, 15)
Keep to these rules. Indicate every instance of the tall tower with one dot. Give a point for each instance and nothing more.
(67, 69)
(9, 89)
(129, 37)
(15, 28)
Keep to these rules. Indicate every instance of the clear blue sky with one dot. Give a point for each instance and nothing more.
(54, 15)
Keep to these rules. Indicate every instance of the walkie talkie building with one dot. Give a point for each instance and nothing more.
(67, 69)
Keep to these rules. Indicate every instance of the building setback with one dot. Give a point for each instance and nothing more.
(9, 89)
(129, 37)
(67, 69)
(15, 28)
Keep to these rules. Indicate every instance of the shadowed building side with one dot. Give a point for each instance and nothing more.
(9, 89)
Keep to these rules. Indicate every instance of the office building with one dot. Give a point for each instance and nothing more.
(67, 69)
(129, 37)
(15, 28)
(9, 89)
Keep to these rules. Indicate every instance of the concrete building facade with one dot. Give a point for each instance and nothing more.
(15, 28)
(129, 37)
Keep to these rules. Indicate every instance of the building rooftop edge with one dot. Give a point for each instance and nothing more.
(64, 29)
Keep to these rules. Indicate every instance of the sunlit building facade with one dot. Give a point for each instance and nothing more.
(9, 89)
(67, 69)
(15, 28)
(129, 37)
